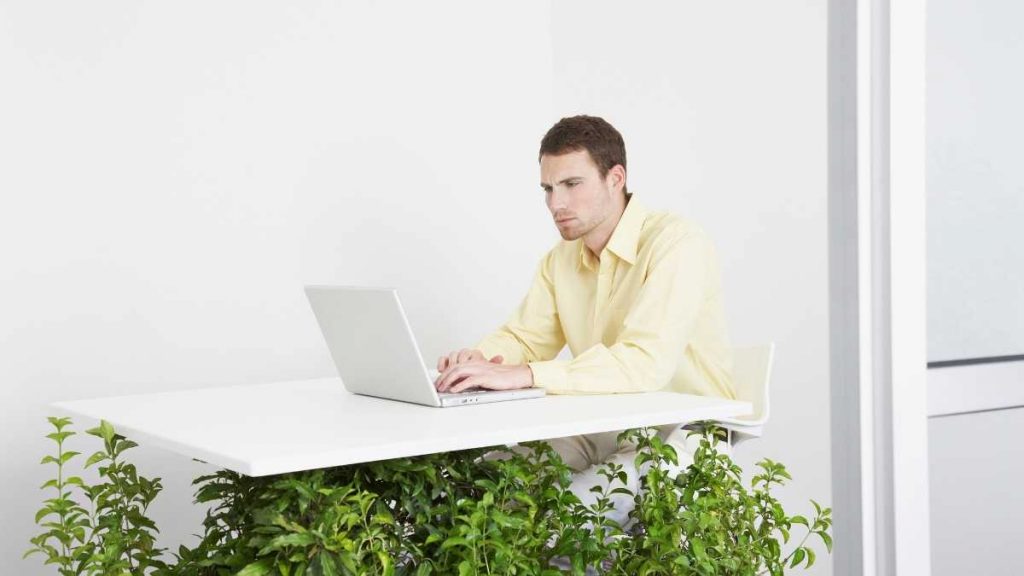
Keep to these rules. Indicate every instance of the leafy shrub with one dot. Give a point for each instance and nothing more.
(445, 513)
(113, 536)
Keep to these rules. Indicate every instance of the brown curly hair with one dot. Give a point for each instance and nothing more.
(599, 138)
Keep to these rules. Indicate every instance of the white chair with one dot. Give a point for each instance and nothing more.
(752, 374)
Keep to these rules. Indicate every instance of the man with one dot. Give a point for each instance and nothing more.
(635, 294)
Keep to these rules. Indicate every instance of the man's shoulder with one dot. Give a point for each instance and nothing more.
(663, 226)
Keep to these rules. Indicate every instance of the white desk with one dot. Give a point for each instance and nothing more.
(263, 429)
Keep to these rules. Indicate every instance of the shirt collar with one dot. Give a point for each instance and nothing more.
(625, 238)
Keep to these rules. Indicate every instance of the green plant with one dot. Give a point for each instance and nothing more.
(114, 536)
(703, 521)
(446, 513)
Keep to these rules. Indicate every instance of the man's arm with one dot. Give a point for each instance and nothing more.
(655, 332)
(534, 331)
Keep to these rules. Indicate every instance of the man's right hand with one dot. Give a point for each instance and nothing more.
(464, 356)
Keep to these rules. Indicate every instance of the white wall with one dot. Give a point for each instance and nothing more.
(723, 109)
(175, 174)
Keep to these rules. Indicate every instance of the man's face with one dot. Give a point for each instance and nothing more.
(577, 197)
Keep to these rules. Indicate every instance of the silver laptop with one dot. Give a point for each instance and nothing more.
(376, 353)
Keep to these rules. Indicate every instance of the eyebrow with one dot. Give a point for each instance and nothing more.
(563, 181)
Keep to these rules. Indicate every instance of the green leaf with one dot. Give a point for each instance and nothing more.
(123, 445)
(287, 540)
(826, 539)
(453, 542)
(43, 513)
(698, 549)
(328, 564)
(798, 557)
(59, 422)
(104, 431)
(97, 457)
(59, 436)
(260, 568)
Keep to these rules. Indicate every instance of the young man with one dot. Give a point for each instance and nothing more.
(635, 294)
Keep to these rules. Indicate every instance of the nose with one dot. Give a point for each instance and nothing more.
(556, 201)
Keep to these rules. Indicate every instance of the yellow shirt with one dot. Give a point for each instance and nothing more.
(645, 316)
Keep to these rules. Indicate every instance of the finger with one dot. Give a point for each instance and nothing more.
(470, 382)
(498, 359)
(449, 383)
(455, 385)
(442, 363)
(454, 375)
(453, 359)
(465, 354)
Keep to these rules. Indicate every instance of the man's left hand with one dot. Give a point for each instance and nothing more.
(485, 375)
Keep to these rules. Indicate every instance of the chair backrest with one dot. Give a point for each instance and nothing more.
(752, 372)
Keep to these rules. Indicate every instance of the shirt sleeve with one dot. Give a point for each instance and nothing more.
(534, 331)
(655, 330)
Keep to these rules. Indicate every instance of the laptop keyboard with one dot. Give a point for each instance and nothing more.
(470, 393)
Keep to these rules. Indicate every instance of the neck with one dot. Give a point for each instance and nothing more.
(599, 237)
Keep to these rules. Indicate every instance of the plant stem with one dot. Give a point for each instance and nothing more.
(124, 499)
(786, 559)
(60, 495)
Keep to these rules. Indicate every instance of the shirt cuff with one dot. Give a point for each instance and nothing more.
(550, 374)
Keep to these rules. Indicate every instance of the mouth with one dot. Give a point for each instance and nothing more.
(563, 220)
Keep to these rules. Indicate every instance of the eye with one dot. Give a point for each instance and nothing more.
(572, 184)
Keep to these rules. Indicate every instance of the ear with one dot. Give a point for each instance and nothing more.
(616, 177)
